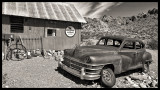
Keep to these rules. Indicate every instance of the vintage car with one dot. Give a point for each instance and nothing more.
(111, 55)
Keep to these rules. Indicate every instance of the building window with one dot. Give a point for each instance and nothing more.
(17, 24)
(51, 32)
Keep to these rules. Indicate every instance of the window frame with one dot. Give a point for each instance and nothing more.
(53, 31)
(106, 42)
(141, 45)
(133, 42)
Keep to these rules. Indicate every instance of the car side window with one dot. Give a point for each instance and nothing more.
(117, 43)
(128, 45)
(110, 42)
(101, 42)
(138, 45)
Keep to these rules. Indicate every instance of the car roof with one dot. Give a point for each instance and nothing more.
(121, 38)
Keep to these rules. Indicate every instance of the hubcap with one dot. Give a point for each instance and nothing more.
(106, 75)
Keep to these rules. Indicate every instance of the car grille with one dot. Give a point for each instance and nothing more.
(73, 64)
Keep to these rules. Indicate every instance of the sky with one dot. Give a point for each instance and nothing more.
(114, 9)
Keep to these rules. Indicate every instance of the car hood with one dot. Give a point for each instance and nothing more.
(94, 50)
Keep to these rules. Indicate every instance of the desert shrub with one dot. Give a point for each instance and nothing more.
(153, 11)
(89, 42)
(144, 16)
(85, 35)
(133, 18)
(152, 44)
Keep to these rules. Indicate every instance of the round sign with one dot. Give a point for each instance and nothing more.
(70, 31)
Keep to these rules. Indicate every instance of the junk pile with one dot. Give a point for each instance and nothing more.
(47, 54)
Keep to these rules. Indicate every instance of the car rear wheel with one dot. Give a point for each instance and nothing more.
(146, 67)
(108, 77)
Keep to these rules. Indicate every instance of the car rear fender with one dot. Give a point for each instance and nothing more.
(147, 57)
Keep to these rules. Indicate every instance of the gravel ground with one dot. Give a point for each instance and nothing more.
(38, 73)
(43, 73)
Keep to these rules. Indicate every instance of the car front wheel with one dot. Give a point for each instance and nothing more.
(108, 77)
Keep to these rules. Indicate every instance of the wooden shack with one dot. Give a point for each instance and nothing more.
(58, 24)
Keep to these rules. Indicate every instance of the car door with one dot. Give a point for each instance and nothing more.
(128, 54)
(139, 46)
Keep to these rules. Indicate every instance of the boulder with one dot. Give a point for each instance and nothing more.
(142, 85)
(38, 52)
(139, 77)
(58, 53)
(49, 54)
(135, 86)
(148, 82)
(154, 83)
(152, 74)
(29, 55)
(57, 58)
(129, 80)
(33, 53)
(53, 52)
(62, 52)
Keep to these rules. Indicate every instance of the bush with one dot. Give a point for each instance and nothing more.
(152, 44)
(90, 42)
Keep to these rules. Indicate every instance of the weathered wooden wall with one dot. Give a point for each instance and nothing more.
(32, 27)
(32, 43)
(38, 27)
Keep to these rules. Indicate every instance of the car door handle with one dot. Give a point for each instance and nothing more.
(135, 54)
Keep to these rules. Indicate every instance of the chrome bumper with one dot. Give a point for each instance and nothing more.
(81, 74)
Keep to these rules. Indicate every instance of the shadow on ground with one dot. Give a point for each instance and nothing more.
(88, 82)
(129, 72)
(73, 78)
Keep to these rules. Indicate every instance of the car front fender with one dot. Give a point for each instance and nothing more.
(114, 60)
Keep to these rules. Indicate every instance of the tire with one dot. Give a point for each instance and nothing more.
(108, 77)
(146, 67)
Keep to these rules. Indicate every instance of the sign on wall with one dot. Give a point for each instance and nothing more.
(70, 31)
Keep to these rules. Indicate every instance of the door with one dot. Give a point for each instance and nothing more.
(128, 54)
(139, 46)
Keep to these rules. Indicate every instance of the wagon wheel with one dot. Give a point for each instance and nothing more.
(16, 52)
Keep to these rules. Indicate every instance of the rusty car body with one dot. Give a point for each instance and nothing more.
(115, 54)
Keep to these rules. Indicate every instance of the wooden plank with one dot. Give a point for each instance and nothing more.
(33, 43)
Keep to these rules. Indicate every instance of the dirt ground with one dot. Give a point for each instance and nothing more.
(43, 73)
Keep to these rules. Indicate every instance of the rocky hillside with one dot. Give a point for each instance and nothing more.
(143, 26)
(93, 27)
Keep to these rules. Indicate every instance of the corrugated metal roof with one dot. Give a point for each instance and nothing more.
(44, 10)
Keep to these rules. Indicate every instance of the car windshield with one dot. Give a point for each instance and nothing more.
(109, 42)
